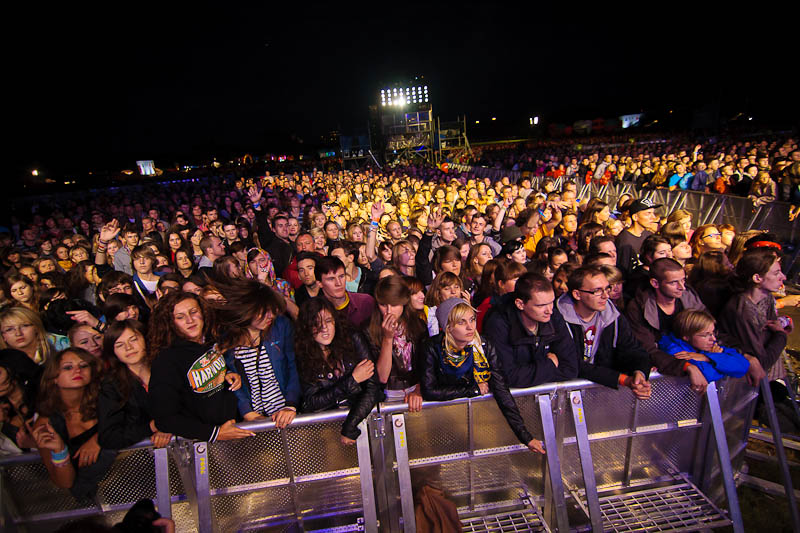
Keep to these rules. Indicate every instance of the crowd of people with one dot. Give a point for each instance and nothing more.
(187, 308)
(762, 170)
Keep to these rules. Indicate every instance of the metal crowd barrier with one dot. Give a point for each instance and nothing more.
(706, 208)
(613, 463)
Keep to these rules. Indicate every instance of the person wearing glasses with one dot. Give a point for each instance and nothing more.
(706, 238)
(608, 352)
(651, 314)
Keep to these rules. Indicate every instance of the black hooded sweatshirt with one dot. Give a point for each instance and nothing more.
(188, 394)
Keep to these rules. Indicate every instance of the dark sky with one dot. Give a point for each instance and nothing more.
(100, 88)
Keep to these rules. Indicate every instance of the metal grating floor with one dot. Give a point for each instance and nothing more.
(525, 520)
(679, 507)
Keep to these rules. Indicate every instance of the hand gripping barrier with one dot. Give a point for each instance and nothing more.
(613, 464)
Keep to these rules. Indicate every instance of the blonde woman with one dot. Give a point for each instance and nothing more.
(22, 330)
(459, 363)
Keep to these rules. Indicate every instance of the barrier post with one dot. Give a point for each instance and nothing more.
(163, 499)
(559, 504)
(365, 477)
(382, 471)
(777, 437)
(404, 472)
(723, 454)
(587, 465)
(202, 488)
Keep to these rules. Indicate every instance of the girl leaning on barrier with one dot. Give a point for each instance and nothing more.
(397, 332)
(123, 414)
(190, 390)
(335, 365)
(458, 363)
(259, 346)
(66, 431)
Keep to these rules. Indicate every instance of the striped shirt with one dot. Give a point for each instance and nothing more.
(265, 393)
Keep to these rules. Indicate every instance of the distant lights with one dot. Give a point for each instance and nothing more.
(400, 96)
(534, 121)
(494, 118)
(34, 172)
(477, 122)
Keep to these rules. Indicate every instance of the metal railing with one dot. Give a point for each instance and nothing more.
(612, 463)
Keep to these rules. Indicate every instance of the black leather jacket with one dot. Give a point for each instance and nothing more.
(329, 392)
(438, 386)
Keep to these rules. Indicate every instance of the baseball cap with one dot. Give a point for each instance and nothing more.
(641, 205)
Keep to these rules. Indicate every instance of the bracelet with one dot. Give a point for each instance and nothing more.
(256, 205)
(373, 224)
(60, 458)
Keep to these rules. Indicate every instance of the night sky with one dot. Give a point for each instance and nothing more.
(97, 88)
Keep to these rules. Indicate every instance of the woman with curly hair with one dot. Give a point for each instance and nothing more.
(66, 431)
(335, 365)
(189, 385)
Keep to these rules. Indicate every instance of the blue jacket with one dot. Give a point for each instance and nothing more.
(279, 344)
(728, 362)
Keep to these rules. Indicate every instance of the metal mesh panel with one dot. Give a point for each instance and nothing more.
(233, 511)
(329, 496)
(131, 478)
(184, 518)
(490, 429)
(453, 478)
(34, 493)
(318, 447)
(599, 418)
(674, 508)
(246, 461)
(175, 482)
(504, 522)
(651, 455)
(609, 460)
(673, 401)
(502, 477)
(438, 431)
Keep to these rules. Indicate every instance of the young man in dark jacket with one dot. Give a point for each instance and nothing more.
(608, 352)
(530, 337)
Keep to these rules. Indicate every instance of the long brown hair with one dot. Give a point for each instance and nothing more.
(162, 331)
(117, 370)
(392, 290)
(50, 401)
(245, 301)
(311, 361)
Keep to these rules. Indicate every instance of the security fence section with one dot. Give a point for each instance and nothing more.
(706, 208)
(613, 463)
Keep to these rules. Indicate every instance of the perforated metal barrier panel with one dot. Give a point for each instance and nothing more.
(612, 463)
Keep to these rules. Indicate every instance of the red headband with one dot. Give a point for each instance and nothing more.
(766, 244)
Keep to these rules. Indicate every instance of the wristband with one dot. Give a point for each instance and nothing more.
(256, 205)
(686, 366)
(621, 379)
(373, 224)
(60, 458)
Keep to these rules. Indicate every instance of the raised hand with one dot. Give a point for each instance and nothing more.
(109, 231)
(377, 210)
(254, 193)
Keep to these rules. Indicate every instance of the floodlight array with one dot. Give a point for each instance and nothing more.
(400, 96)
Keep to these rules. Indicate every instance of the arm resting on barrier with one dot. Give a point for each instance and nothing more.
(505, 401)
(167, 406)
(49, 442)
